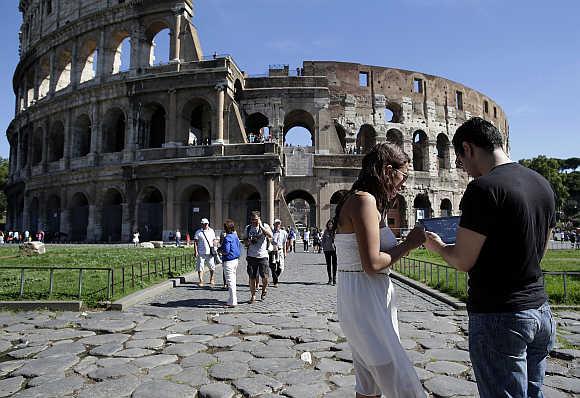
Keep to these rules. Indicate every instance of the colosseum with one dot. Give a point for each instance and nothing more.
(100, 148)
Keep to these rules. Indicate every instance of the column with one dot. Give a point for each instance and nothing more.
(126, 226)
(68, 139)
(169, 222)
(74, 67)
(92, 227)
(175, 50)
(218, 203)
(220, 88)
(269, 216)
(171, 136)
(52, 84)
(102, 58)
(45, 132)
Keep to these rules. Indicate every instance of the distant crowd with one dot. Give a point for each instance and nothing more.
(20, 237)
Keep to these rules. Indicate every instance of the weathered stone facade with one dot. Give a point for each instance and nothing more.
(98, 151)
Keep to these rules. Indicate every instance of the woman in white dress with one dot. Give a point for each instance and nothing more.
(366, 304)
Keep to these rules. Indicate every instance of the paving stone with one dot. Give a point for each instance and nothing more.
(114, 372)
(61, 349)
(273, 366)
(5, 346)
(104, 339)
(322, 354)
(154, 324)
(234, 356)
(567, 354)
(184, 327)
(150, 334)
(56, 324)
(248, 346)
(152, 361)
(106, 362)
(54, 388)
(163, 389)
(550, 392)
(567, 384)
(280, 343)
(447, 386)
(196, 338)
(343, 381)
(214, 330)
(46, 366)
(330, 366)
(315, 346)
(288, 333)
(432, 343)
(40, 380)
(446, 368)
(199, 359)
(556, 369)
(316, 335)
(122, 387)
(258, 329)
(216, 390)
(447, 355)
(11, 386)
(343, 392)
(151, 344)
(306, 391)
(229, 371)
(235, 320)
(10, 366)
(27, 352)
(224, 342)
(257, 386)
(424, 374)
(185, 349)
(161, 372)
(133, 353)
(108, 326)
(106, 350)
(344, 356)
(408, 344)
(273, 352)
(301, 376)
(193, 376)
(86, 365)
(417, 358)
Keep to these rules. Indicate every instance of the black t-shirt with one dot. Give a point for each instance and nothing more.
(514, 208)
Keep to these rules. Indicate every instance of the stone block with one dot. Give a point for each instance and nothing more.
(157, 243)
(32, 248)
(147, 245)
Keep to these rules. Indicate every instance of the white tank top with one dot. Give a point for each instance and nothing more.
(347, 250)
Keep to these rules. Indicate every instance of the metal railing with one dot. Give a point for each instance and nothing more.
(117, 280)
(447, 278)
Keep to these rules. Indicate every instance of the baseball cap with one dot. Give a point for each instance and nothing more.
(277, 221)
(204, 221)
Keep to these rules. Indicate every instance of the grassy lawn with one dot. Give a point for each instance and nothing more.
(454, 283)
(138, 267)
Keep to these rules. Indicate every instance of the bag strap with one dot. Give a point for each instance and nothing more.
(206, 239)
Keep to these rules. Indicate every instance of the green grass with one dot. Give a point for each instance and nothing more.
(132, 262)
(555, 260)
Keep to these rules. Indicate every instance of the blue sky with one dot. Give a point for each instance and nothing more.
(525, 54)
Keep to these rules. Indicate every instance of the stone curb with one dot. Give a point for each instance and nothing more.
(447, 299)
(150, 292)
(74, 306)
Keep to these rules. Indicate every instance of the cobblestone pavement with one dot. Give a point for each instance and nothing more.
(185, 342)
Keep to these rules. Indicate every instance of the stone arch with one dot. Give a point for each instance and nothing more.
(37, 145)
(341, 132)
(121, 44)
(150, 214)
(88, 60)
(243, 199)
(300, 118)
(79, 212)
(420, 151)
(114, 126)
(154, 34)
(304, 210)
(81, 136)
(238, 91)
(198, 115)
(196, 205)
(43, 77)
(24, 142)
(56, 142)
(34, 216)
(112, 216)
(257, 126)
(446, 208)
(397, 215)
(63, 69)
(395, 137)
(53, 211)
(152, 134)
(443, 155)
(395, 112)
(335, 199)
(366, 138)
(422, 206)
(29, 87)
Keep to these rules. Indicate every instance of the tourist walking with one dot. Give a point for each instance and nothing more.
(306, 239)
(507, 216)
(291, 240)
(329, 249)
(136, 238)
(278, 253)
(204, 244)
(177, 238)
(256, 240)
(366, 302)
(230, 250)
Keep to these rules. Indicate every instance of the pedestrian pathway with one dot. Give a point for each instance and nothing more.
(185, 342)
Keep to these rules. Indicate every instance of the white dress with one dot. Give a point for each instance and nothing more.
(366, 306)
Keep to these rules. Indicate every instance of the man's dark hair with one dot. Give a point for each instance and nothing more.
(478, 132)
(255, 213)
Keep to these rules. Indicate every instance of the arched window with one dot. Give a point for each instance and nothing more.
(152, 129)
(151, 215)
(56, 142)
(257, 127)
(446, 208)
(341, 132)
(160, 47)
(443, 152)
(112, 216)
(63, 73)
(299, 128)
(422, 206)
(196, 205)
(81, 136)
(198, 116)
(302, 207)
(420, 151)
(37, 146)
(114, 131)
(44, 78)
(122, 55)
(80, 215)
(88, 61)
(366, 138)
(394, 136)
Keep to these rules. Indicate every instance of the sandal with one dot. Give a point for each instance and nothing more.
(263, 296)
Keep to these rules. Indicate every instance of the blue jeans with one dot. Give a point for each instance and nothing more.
(508, 351)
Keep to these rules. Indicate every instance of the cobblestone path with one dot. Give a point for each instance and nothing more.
(185, 342)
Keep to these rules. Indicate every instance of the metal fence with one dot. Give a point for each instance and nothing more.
(95, 283)
(446, 278)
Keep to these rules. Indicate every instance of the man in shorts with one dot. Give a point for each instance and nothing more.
(256, 240)
(204, 239)
(278, 252)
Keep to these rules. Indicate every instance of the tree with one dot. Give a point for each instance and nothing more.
(550, 169)
(3, 179)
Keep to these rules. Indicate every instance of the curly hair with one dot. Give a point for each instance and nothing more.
(372, 178)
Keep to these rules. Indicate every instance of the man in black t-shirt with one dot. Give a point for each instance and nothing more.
(507, 216)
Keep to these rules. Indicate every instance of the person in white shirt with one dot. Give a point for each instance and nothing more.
(306, 238)
(278, 252)
(177, 238)
(136, 238)
(205, 240)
